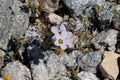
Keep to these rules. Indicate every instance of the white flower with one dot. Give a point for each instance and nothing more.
(61, 37)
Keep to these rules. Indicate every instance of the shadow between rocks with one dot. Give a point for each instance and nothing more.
(118, 43)
(119, 68)
(34, 53)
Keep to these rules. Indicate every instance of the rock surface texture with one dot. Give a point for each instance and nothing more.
(90, 61)
(86, 76)
(59, 39)
(62, 78)
(39, 72)
(17, 71)
(106, 39)
(106, 10)
(54, 18)
(54, 66)
(33, 35)
(1, 79)
(13, 20)
(44, 65)
(70, 59)
(79, 7)
(2, 54)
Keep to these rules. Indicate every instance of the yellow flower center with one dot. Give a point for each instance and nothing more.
(62, 52)
(60, 41)
(7, 77)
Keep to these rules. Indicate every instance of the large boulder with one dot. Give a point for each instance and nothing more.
(13, 20)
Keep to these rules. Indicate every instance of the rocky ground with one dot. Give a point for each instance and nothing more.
(59, 39)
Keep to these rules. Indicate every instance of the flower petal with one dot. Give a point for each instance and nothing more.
(58, 36)
(55, 30)
(64, 34)
(69, 43)
(62, 28)
(69, 34)
(63, 47)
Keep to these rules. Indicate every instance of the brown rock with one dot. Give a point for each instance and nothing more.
(54, 18)
(109, 66)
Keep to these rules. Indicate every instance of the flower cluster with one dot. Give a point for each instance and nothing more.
(61, 37)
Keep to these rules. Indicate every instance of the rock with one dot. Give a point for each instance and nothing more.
(70, 59)
(38, 68)
(90, 61)
(106, 39)
(33, 35)
(79, 7)
(51, 5)
(62, 78)
(106, 13)
(44, 65)
(17, 71)
(2, 55)
(39, 71)
(54, 18)
(54, 65)
(106, 10)
(1, 79)
(109, 66)
(86, 76)
(116, 19)
(12, 20)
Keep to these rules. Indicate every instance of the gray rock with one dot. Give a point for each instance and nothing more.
(116, 19)
(38, 68)
(90, 61)
(33, 35)
(2, 55)
(17, 71)
(106, 13)
(12, 20)
(70, 59)
(39, 71)
(1, 79)
(106, 39)
(86, 76)
(106, 10)
(61, 78)
(54, 65)
(79, 7)
(44, 65)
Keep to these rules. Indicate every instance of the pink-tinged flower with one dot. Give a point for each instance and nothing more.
(62, 38)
